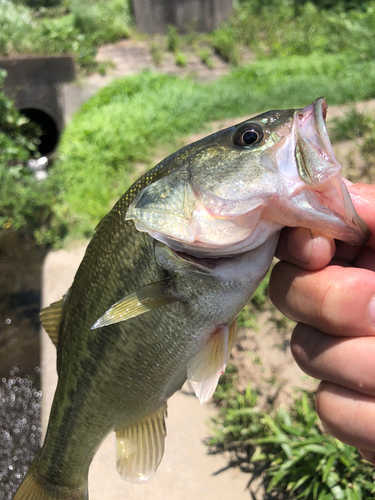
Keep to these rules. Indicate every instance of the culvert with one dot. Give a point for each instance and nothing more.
(35, 83)
(50, 129)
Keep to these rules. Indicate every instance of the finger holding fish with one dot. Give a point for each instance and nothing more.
(344, 361)
(349, 416)
(336, 300)
(335, 339)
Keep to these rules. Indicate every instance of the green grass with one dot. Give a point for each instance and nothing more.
(287, 448)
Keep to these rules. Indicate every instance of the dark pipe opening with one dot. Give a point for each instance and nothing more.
(50, 136)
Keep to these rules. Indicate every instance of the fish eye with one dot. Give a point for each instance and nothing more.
(250, 135)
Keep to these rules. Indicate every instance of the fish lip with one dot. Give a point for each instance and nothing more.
(318, 109)
(312, 135)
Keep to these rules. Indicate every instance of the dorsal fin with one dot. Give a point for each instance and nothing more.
(50, 317)
(144, 299)
(205, 368)
(140, 447)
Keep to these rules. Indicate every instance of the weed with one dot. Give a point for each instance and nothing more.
(173, 39)
(225, 45)
(367, 151)
(24, 202)
(205, 56)
(291, 27)
(180, 59)
(287, 448)
(156, 52)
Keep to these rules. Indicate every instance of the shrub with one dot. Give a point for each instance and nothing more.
(16, 23)
(24, 202)
(19, 139)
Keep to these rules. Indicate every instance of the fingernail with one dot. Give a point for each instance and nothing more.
(300, 244)
(372, 310)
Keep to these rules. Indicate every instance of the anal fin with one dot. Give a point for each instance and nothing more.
(205, 369)
(140, 447)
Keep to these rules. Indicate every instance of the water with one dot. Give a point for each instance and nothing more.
(20, 298)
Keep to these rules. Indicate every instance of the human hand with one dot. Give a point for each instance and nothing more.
(334, 340)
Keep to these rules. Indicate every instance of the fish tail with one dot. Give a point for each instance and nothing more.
(33, 487)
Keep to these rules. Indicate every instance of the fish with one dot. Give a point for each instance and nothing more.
(156, 298)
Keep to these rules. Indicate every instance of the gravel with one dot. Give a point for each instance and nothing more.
(20, 430)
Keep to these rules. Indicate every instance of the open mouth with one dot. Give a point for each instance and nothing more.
(314, 154)
(318, 168)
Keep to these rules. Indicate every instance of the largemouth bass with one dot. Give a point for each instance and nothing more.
(156, 297)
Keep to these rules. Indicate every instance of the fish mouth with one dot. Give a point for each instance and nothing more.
(324, 189)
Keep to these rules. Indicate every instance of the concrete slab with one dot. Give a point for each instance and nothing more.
(187, 470)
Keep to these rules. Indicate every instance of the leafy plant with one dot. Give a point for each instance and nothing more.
(181, 59)
(19, 138)
(225, 44)
(156, 53)
(24, 202)
(36, 4)
(173, 39)
(205, 56)
(287, 448)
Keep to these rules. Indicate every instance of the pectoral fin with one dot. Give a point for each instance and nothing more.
(205, 368)
(142, 300)
(140, 447)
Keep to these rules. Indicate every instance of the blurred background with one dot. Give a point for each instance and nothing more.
(95, 92)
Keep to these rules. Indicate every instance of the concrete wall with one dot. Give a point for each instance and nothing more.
(35, 83)
(153, 16)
